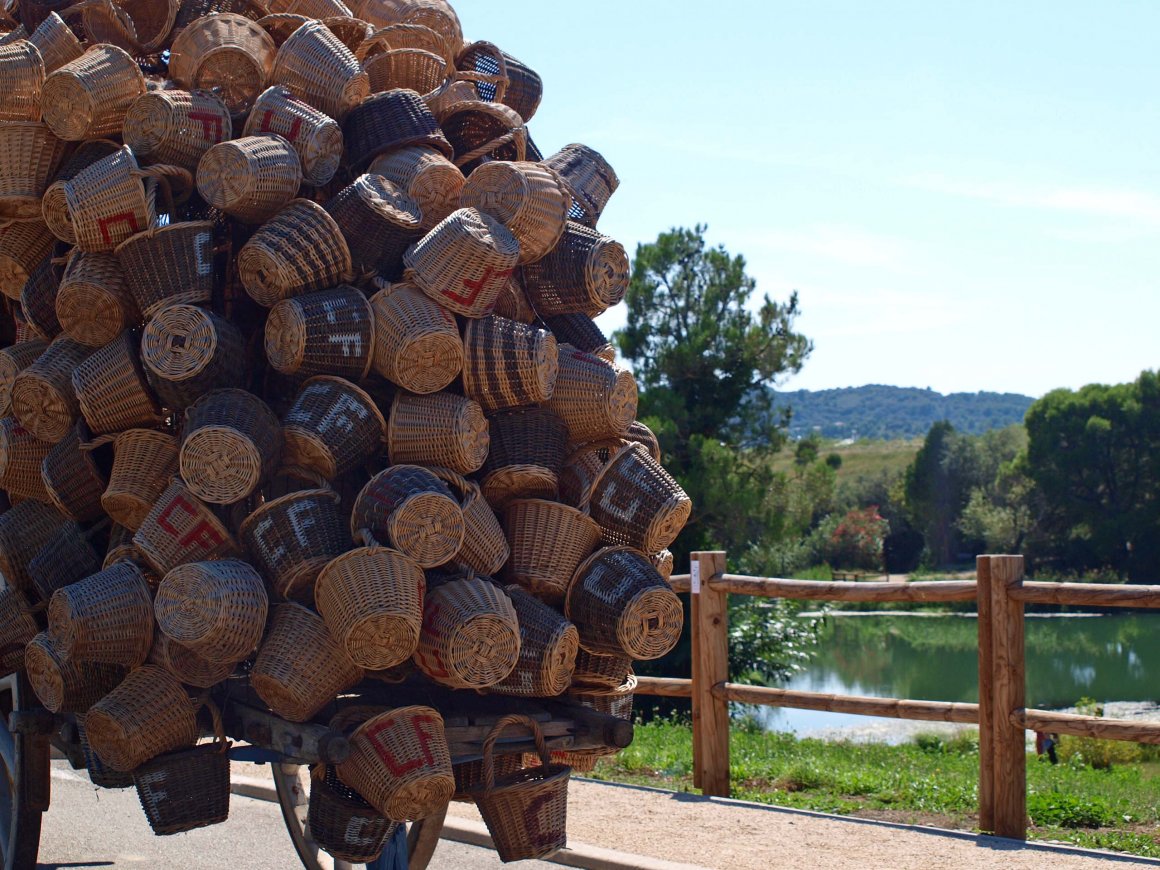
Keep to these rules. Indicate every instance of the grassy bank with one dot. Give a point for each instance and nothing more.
(932, 781)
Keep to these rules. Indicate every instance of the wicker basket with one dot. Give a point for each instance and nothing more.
(56, 43)
(548, 645)
(217, 609)
(600, 672)
(90, 96)
(437, 15)
(548, 541)
(147, 714)
(431, 180)
(141, 27)
(107, 617)
(585, 273)
(299, 250)
(342, 823)
(232, 443)
(169, 265)
(318, 68)
(614, 700)
(22, 72)
(485, 549)
(93, 303)
(470, 637)
(399, 762)
(594, 398)
(300, 666)
(143, 463)
(291, 538)
(583, 466)
(186, 665)
(43, 396)
(13, 360)
(64, 686)
(395, 36)
(251, 178)
(414, 511)
(526, 812)
(280, 25)
(351, 31)
(440, 429)
(379, 223)
(180, 528)
(417, 343)
(580, 331)
(38, 299)
(642, 434)
(589, 177)
(464, 262)
(23, 247)
(333, 427)
(32, 153)
(192, 10)
(387, 122)
(73, 480)
(372, 601)
(112, 391)
(100, 773)
(330, 332)
(25, 529)
(315, 136)
(622, 606)
(469, 774)
(226, 53)
(525, 455)
(483, 131)
(512, 83)
(21, 457)
(66, 558)
(508, 364)
(412, 69)
(638, 503)
(188, 789)
(188, 351)
(177, 127)
(17, 628)
(527, 198)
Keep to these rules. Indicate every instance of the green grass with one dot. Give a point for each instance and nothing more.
(930, 781)
(866, 458)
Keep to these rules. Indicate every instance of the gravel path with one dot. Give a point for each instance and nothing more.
(715, 834)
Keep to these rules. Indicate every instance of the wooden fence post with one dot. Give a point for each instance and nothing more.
(986, 697)
(710, 633)
(1008, 689)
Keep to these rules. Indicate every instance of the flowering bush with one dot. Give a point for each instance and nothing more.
(857, 540)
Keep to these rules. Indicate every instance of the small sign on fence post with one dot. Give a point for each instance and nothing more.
(695, 578)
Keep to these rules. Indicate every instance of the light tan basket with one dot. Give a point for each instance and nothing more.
(594, 398)
(186, 665)
(226, 53)
(56, 43)
(232, 443)
(43, 396)
(32, 153)
(425, 175)
(107, 617)
(64, 686)
(143, 463)
(310, 8)
(315, 136)
(140, 27)
(23, 246)
(13, 360)
(440, 429)
(22, 73)
(507, 364)
(350, 30)
(250, 178)
(317, 67)
(417, 343)
(111, 389)
(217, 609)
(412, 68)
(527, 198)
(149, 713)
(21, 456)
(179, 529)
(177, 127)
(548, 541)
(470, 637)
(93, 304)
(332, 427)
(413, 510)
(89, 97)
(330, 332)
(395, 36)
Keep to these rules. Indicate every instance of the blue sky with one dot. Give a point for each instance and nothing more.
(966, 196)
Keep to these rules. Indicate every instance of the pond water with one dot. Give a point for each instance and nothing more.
(934, 658)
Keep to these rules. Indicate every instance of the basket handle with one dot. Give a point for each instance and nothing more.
(493, 145)
(586, 499)
(364, 538)
(219, 729)
(493, 735)
(499, 82)
(167, 176)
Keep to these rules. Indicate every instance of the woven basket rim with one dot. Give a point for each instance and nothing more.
(281, 500)
(583, 567)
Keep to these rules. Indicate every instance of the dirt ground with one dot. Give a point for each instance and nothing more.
(692, 829)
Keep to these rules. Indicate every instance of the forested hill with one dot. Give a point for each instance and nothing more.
(877, 411)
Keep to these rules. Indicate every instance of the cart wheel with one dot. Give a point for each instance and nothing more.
(292, 782)
(24, 787)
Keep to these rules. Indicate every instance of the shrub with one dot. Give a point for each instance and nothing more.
(857, 540)
(1069, 811)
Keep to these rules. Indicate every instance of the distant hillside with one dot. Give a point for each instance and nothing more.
(877, 411)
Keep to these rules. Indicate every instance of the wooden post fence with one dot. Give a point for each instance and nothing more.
(710, 617)
(1008, 693)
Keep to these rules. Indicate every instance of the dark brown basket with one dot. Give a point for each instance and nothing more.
(67, 686)
(594, 398)
(583, 466)
(180, 528)
(600, 672)
(469, 774)
(315, 136)
(479, 131)
(23, 246)
(548, 645)
(485, 549)
(387, 122)
(508, 364)
(622, 606)
(512, 83)
(642, 434)
(413, 510)
(43, 397)
(107, 617)
(291, 538)
(66, 558)
(470, 637)
(73, 480)
(143, 463)
(186, 665)
(169, 265)
(93, 303)
(548, 541)
(590, 178)
(586, 273)
(188, 351)
(38, 299)
(330, 332)
(527, 198)
(100, 773)
(525, 456)
(317, 67)
(299, 250)
(232, 443)
(25, 529)
(13, 360)
(379, 222)
(638, 503)
(17, 629)
(188, 789)
(581, 331)
(301, 667)
(332, 427)
(342, 823)
(526, 813)
(417, 343)
(217, 609)
(21, 457)
(440, 429)
(111, 388)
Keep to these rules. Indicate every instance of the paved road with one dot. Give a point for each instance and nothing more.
(97, 828)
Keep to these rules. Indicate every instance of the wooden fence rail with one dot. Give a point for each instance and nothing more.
(1000, 594)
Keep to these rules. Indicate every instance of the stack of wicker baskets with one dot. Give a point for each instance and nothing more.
(300, 385)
